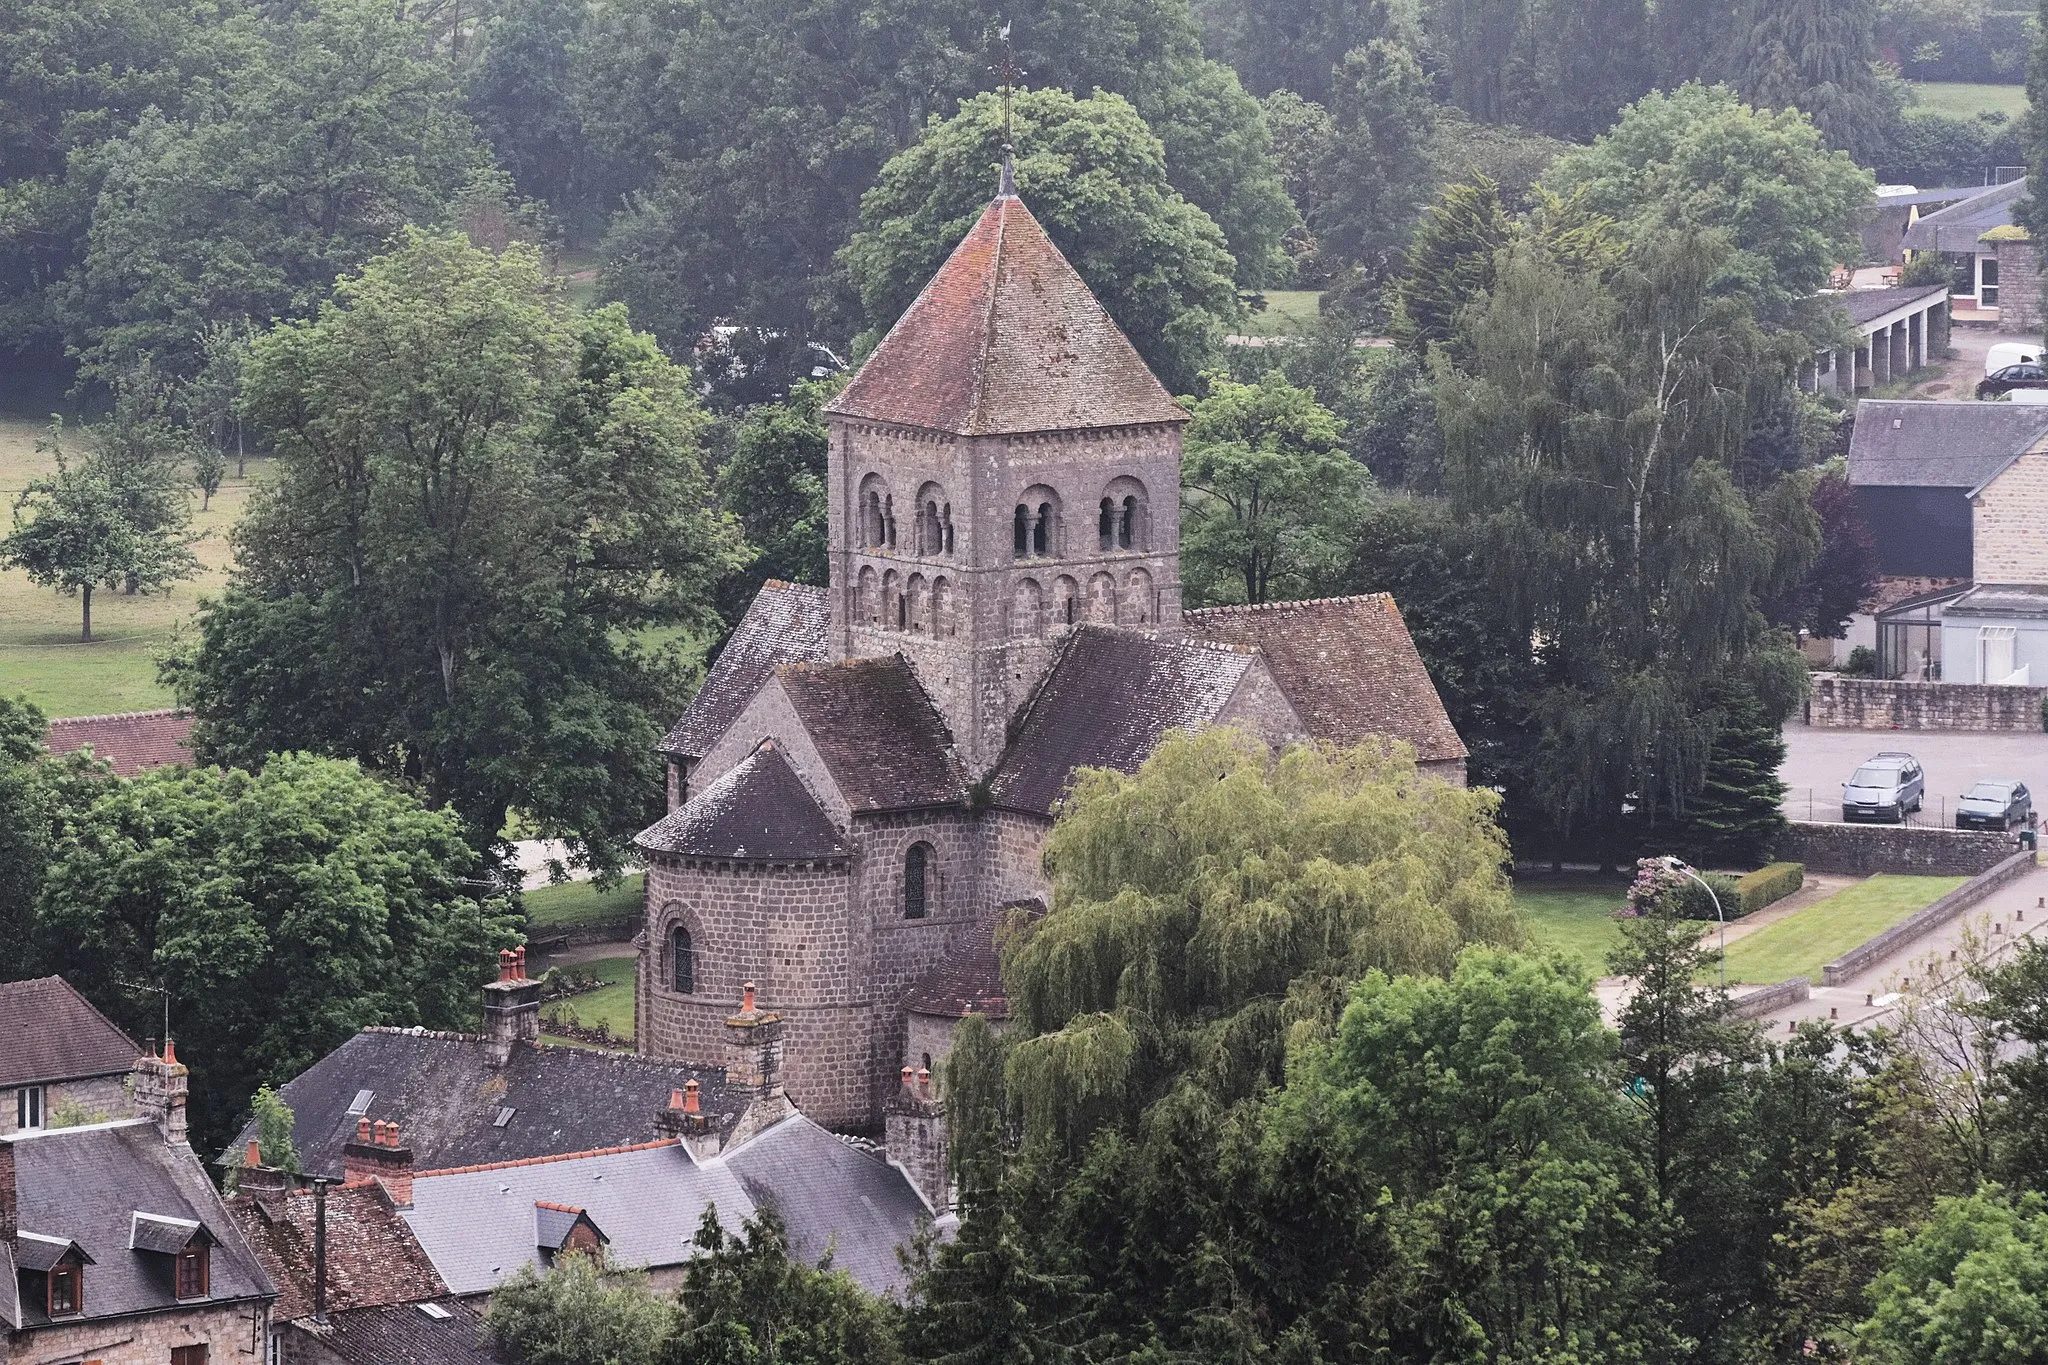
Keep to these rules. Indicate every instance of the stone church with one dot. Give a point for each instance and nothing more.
(869, 772)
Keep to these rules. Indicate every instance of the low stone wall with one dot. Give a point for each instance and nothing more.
(1843, 703)
(1914, 850)
(1875, 950)
(1758, 1003)
(618, 929)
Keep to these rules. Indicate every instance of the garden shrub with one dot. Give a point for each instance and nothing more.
(1772, 882)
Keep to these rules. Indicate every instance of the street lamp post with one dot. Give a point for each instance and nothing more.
(1677, 865)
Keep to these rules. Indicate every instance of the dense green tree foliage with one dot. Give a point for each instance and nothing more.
(774, 483)
(1095, 177)
(1734, 819)
(1970, 1288)
(481, 503)
(744, 1298)
(1268, 495)
(282, 910)
(579, 1313)
(1450, 261)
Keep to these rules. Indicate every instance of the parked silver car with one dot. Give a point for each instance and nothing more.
(1886, 787)
(1999, 804)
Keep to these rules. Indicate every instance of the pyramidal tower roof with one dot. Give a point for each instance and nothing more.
(1006, 338)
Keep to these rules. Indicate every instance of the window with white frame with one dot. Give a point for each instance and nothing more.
(29, 1107)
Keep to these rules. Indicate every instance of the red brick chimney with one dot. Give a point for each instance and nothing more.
(10, 1207)
(377, 1155)
(511, 1008)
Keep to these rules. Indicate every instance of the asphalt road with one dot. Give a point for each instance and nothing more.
(1818, 762)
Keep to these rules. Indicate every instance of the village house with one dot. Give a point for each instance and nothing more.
(868, 775)
(63, 1057)
(115, 1247)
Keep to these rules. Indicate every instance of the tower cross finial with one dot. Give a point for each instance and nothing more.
(1009, 73)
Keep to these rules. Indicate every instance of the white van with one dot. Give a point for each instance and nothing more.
(2010, 353)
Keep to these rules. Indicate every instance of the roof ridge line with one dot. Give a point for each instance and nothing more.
(121, 715)
(1289, 604)
(543, 1160)
(988, 320)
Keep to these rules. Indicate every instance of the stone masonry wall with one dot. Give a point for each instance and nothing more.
(2009, 524)
(104, 1096)
(230, 1332)
(1840, 703)
(2019, 287)
(1866, 850)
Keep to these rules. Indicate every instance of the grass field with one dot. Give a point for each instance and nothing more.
(611, 1004)
(1286, 310)
(40, 652)
(1574, 917)
(1807, 940)
(1960, 99)
(552, 907)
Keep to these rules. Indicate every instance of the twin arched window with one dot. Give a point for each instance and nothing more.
(917, 867)
(682, 961)
(1116, 524)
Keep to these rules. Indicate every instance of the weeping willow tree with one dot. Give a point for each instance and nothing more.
(1221, 900)
(1593, 442)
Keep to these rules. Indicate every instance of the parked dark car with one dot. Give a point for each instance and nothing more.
(1886, 787)
(1995, 804)
(2026, 376)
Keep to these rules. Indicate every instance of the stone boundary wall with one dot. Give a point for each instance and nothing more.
(1941, 912)
(1843, 703)
(617, 929)
(1761, 1002)
(1913, 850)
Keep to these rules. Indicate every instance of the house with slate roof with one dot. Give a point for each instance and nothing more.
(115, 1247)
(57, 1052)
(867, 777)
(463, 1158)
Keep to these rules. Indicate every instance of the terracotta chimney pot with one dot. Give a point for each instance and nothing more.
(746, 997)
(363, 1131)
(391, 1134)
(675, 1099)
(690, 1098)
(170, 1050)
(924, 1081)
(254, 1156)
(907, 1074)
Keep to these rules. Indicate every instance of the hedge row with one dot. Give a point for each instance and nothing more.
(1771, 882)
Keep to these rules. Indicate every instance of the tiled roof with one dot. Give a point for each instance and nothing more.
(405, 1334)
(448, 1100)
(1347, 664)
(87, 1184)
(759, 809)
(787, 623)
(879, 734)
(1006, 338)
(1867, 305)
(1957, 227)
(49, 1032)
(967, 980)
(1106, 702)
(131, 741)
(372, 1257)
(1918, 443)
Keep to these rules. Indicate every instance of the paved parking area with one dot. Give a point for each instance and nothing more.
(1818, 762)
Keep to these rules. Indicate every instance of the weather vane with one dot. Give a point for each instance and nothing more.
(1009, 73)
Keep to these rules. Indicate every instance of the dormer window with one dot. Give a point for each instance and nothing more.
(67, 1291)
(193, 1272)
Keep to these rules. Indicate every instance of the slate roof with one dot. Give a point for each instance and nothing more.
(49, 1032)
(86, 1184)
(1348, 666)
(406, 1335)
(446, 1098)
(479, 1225)
(967, 980)
(787, 623)
(131, 741)
(1917, 443)
(1867, 305)
(832, 1198)
(372, 1256)
(1957, 227)
(757, 809)
(1934, 196)
(879, 734)
(1006, 338)
(1106, 702)
(2002, 599)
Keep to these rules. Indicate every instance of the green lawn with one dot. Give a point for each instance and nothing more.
(1960, 99)
(1573, 916)
(40, 652)
(1286, 310)
(552, 907)
(610, 1004)
(1807, 940)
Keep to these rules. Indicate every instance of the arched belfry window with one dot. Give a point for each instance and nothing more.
(1105, 525)
(1127, 524)
(916, 880)
(1020, 532)
(1041, 530)
(682, 961)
